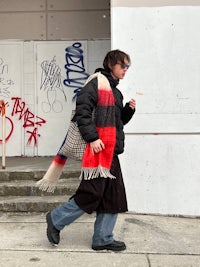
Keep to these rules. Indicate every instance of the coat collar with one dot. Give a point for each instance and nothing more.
(112, 81)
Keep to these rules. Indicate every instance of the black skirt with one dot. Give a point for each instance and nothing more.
(103, 195)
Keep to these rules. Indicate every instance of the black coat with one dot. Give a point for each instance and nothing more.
(101, 194)
(86, 102)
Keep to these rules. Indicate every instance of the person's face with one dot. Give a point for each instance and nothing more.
(119, 70)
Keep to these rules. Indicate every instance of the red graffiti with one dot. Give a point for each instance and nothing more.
(29, 119)
(9, 122)
(33, 136)
(11, 128)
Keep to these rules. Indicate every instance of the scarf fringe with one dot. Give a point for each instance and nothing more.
(91, 173)
(51, 177)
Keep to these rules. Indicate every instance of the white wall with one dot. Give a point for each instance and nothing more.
(161, 162)
(38, 102)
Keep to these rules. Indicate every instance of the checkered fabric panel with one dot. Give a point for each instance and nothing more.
(74, 145)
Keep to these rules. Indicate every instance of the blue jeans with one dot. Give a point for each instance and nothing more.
(103, 227)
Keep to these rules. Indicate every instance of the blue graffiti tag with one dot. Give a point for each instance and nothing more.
(75, 65)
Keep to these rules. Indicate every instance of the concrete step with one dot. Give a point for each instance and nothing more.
(31, 204)
(28, 188)
(17, 184)
(34, 175)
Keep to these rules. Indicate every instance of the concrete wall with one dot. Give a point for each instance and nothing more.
(54, 19)
(161, 162)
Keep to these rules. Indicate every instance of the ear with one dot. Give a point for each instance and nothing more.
(110, 66)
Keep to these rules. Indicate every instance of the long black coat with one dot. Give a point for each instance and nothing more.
(103, 195)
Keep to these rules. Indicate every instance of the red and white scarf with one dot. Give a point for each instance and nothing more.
(97, 164)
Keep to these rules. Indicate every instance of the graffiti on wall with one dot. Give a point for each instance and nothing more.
(30, 122)
(9, 123)
(51, 82)
(76, 74)
(54, 86)
(19, 109)
(6, 83)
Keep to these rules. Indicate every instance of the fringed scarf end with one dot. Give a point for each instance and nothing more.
(91, 173)
(49, 181)
(45, 185)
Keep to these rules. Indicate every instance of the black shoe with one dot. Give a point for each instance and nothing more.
(52, 233)
(114, 246)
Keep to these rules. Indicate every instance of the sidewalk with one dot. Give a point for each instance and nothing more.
(152, 241)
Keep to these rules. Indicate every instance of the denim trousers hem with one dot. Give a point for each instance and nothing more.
(103, 227)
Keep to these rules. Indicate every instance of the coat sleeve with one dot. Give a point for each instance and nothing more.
(86, 102)
(127, 113)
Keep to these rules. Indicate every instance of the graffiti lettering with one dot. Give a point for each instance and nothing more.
(51, 75)
(5, 83)
(75, 69)
(51, 82)
(20, 110)
(40, 121)
(3, 67)
(33, 137)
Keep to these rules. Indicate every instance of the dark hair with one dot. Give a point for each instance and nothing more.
(113, 57)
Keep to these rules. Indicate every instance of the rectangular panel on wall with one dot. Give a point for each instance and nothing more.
(11, 87)
(39, 82)
(161, 174)
(96, 53)
(28, 26)
(22, 5)
(164, 76)
(78, 4)
(153, 3)
(80, 25)
(61, 70)
(161, 160)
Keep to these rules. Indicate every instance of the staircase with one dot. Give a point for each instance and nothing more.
(19, 194)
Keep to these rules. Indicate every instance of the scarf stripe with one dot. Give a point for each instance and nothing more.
(105, 98)
(98, 164)
(60, 159)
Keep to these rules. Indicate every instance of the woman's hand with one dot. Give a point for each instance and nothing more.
(132, 103)
(97, 146)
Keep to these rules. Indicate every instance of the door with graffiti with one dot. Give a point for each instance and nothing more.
(11, 87)
(60, 73)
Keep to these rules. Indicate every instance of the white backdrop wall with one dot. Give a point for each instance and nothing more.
(38, 81)
(161, 160)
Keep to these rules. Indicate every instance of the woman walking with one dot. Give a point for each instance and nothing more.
(100, 116)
